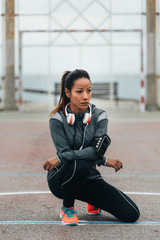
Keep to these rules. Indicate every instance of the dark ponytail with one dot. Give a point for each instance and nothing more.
(67, 81)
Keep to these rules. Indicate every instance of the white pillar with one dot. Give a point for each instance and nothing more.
(151, 101)
(9, 82)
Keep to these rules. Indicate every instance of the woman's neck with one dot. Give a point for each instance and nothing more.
(77, 110)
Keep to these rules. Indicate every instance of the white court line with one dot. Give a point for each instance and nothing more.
(143, 193)
(48, 192)
(138, 120)
(23, 193)
(81, 222)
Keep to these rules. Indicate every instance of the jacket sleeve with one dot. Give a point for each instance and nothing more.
(65, 153)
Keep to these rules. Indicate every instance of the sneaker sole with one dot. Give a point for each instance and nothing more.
(69, 224)
(93, 214)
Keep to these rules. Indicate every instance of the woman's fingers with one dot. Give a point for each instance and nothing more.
(118, 165)
(46, 165)
(50, 168)
(49, 165)
(114, 163)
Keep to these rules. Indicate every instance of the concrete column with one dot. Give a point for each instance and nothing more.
(151, 101)
(9, 85)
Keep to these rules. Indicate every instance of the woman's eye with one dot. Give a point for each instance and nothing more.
(80, 91)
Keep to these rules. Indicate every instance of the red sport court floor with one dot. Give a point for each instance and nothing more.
(29, 211)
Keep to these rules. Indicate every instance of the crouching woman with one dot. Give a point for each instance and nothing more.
(79, 133)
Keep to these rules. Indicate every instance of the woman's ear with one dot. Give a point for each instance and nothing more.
(67, 92)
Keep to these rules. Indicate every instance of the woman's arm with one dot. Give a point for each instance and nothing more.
(50, 164)
(65, 153)
(114, 163)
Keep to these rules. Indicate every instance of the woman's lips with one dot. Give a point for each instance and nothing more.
(85, 103)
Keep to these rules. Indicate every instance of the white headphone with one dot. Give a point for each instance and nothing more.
(71, 116)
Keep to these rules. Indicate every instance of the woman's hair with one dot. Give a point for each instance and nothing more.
(67, 81)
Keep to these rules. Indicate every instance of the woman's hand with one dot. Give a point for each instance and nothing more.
(50, 164)
(114, 163)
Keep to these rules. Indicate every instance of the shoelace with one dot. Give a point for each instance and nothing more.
(69, 212)
(98, 209)
(95, 208)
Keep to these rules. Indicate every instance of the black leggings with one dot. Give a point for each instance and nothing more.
(70, 182)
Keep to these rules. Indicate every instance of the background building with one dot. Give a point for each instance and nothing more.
(114, 40)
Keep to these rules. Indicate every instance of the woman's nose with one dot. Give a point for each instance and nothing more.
(85, 96)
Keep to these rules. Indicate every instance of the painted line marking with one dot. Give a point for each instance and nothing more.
(143, 193)
(23, 175)
(80, 223)
(132, 175)
(137, 120)
(104, 175)
(24, 193)
(48, 192)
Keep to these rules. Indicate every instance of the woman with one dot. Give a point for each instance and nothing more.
(78, 130)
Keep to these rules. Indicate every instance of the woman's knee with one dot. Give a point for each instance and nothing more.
(129, 212)
(133, 216)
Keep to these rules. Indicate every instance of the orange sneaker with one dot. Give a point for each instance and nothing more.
(68, 216)
(94, 211)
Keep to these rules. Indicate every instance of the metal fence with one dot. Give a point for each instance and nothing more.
(110, 75)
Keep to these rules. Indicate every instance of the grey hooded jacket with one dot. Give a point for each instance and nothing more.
(74, 141)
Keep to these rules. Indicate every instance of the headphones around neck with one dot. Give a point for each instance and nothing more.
(71, 116)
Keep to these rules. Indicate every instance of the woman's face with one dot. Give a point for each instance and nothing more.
(80, 95)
